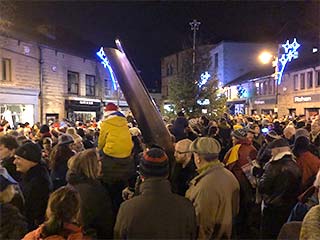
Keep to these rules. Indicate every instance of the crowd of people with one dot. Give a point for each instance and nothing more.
(236, 177)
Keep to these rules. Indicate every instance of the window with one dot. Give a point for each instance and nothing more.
(318, 79)
(6, 69)
(73, 82)
(216, 61)
(108, 87)
(302, 81)
(295, 82)
(90, 85)
(310, 79)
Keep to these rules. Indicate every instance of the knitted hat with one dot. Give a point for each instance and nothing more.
(65, 139)
(272, 135)
(110, 107)
(205, 145)
(44, 129)
(29, 151)
(240, 133)
(277, 143)
(5, 179)
(302, 132)
(251, 127)
(154, 163)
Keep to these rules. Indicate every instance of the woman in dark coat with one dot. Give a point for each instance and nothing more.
(59, 160)
(96, 206)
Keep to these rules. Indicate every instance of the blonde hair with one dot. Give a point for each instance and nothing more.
(7, 194)
(86, 163)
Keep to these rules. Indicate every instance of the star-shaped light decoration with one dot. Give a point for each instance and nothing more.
(291, 52)
(204, 77)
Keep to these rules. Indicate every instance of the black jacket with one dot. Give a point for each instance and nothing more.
(12, 224)
(96, 206)
(280, 182)
(36, 186)
(178, 128)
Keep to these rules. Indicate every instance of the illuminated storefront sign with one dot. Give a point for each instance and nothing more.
(309, 98)
(303, 99)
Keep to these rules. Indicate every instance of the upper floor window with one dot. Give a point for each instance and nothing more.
(302, 81)
(310, 79)
(169, 69)
(108, 87)
(6, 69)
(270, 86)
(73, 82)
(295, 82)
(318, 79)
(90, 85)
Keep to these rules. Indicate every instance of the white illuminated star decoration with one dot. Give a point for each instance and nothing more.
(204, 77)
(105, 62)
(291, 52)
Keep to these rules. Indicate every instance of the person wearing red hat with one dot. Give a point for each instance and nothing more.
(115, 145)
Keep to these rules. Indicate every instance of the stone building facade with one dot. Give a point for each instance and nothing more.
(41, 83)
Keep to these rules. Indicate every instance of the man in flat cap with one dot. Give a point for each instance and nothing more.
(279, 186)
(214, 192)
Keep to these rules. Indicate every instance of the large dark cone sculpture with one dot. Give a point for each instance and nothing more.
(143, 108)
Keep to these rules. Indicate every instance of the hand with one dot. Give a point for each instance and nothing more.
(127, 194)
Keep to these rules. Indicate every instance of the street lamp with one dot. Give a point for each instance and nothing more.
(286, 52)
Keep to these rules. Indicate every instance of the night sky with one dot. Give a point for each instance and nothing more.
(152, 30)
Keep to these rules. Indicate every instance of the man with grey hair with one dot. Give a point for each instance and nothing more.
(214, 192)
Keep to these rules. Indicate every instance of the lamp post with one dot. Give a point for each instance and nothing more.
(286, 52)
(194, 27)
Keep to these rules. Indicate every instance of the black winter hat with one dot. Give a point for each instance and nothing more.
(272, 135)
(281, 142)
(29, 151)
(44, 129)
(154, 163)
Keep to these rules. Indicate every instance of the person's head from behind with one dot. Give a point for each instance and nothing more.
(278, 146)
(86, 163)
(8, 144)
(289, 132)
(315, 126)
(205, 150)
(182, 153)
(154, 163)
(63, 207)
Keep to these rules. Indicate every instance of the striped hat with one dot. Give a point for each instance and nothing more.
(154, 163)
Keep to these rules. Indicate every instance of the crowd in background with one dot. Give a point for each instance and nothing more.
(236, 177)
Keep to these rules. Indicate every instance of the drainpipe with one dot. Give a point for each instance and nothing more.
(41, 83)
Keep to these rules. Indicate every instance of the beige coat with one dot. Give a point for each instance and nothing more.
(215, 196)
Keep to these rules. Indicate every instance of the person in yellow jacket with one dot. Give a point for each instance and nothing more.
(115, 145)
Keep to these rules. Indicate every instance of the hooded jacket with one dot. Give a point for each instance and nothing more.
(115, 139)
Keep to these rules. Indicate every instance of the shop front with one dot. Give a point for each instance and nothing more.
(83, 110)
(264, 105)
(237, 107)
(18, 106)
(309, 103)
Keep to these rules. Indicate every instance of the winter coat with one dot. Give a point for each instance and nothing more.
(215, 196)
(264, 154)
(309, 165)
(310, 226)
(36, 186)
(178, 128)
(184, 176)
(96, 206)
(156, 213)
(280, 182)
(70, 232)
(115, 138)
(245, 152)
(12, 224)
